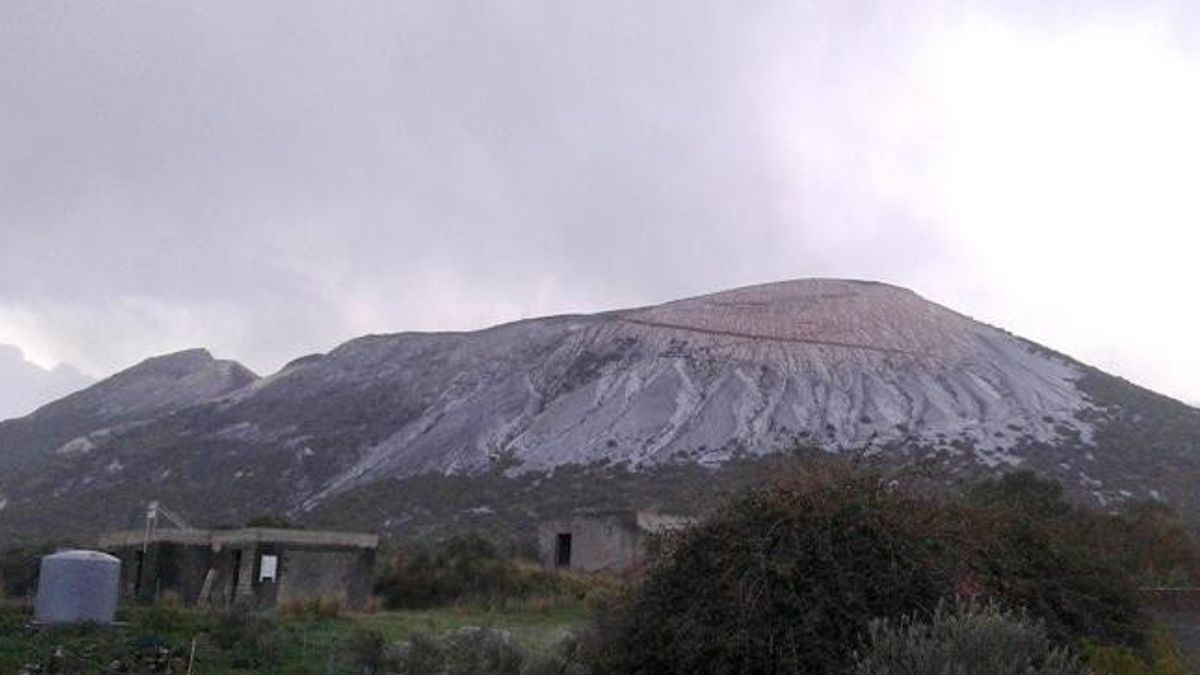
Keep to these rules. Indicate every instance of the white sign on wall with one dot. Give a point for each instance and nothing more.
(268, 567)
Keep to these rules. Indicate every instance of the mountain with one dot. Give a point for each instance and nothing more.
(24, 385)
(400, 432)
(77, 425)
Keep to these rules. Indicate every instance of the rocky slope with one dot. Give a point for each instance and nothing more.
(841, 365)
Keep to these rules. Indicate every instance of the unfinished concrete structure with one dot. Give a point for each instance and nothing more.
(609, 540)
(254, 567)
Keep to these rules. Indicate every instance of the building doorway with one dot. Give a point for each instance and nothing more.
(562, 556)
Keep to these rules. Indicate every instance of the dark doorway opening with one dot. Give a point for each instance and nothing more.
(235, 578)
(140, 561)
(562, 557)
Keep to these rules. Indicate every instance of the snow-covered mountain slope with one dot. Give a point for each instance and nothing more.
(841, 365)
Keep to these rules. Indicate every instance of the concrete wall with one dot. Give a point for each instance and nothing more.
(610, 542)
(163, 568)
(316, 573)
(303, 572)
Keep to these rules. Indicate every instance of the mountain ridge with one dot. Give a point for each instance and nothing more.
(840, 365)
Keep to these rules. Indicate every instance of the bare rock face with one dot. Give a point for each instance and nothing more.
(838, 365)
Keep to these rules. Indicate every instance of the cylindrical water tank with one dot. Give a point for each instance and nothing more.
(77, 586)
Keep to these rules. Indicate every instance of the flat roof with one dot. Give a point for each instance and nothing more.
(247, 535)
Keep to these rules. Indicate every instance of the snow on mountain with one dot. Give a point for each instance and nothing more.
(839, 365)
(835, 363)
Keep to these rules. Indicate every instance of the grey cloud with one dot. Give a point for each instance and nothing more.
(269, 178)
(24, 386)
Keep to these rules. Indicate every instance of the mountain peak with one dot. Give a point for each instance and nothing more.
(836, 313)
(160, 383)
(184, 361)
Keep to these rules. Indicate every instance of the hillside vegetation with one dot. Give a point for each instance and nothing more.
(833, 568)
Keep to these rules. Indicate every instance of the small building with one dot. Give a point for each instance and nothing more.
(254, 567)
(609, 540)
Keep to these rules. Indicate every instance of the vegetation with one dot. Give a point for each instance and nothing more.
(19, 570)
(788, 577)
(1163, 656)
(475, 651)
(1034, 551)
(832, 567)
(471, 569)
(160, 638)
(980, 640)
(274, 521)
(784, 579)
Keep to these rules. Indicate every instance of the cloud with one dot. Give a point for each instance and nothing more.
(25, 386)
(268, 180)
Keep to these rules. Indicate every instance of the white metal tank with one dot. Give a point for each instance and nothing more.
(78, 586)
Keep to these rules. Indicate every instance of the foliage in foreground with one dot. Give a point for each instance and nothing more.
(480, 651)
(1162, 656)
(783, 579)
(786, 578)
(472, 569)
(968, 640)
(1034, 551)
(159, 639)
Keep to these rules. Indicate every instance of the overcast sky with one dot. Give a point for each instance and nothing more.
(268, 179)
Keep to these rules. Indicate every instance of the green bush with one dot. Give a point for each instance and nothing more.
(466, 651)
(19, 570)
(1033, 550)
(1162, 656)
(462, 568)
(968, 641)
(365, 650)
(563, 658)
(783, 579)
(787, 577)
(251, 640)
(1154, 545)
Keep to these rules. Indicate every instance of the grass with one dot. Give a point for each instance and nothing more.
(159, 639)
(534, 627)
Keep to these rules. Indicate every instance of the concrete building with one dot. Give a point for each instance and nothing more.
(610, 540)
(254, 567)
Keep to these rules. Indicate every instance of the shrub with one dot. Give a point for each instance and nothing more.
(166, 614)
(783, 578)
(1163, 656)
(461, 568)
(251, 640)
(466, 651)
(975, 640)
(365, 649)
(19, 570)
(787, 577)
(1032, 550)
(421, 655)
(563, 658)
(1155, 546)
(322, 607)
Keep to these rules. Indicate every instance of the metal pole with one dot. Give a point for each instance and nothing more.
(192, 656)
